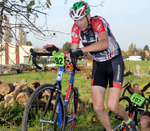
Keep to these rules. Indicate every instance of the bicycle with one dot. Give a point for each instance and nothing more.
(47, 109)
(132, 105)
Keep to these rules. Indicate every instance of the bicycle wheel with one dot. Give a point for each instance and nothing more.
(71, 110)
(116, 121)
(41, 111)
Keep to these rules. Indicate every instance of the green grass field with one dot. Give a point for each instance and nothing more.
(131, 65)
(87, 119)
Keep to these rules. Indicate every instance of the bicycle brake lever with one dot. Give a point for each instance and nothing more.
(69, 58)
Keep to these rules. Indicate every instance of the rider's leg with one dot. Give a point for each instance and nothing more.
(145, 121)
(98, 95)
(113, 103)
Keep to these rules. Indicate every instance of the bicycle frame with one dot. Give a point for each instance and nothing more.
(58, 82)
(133, 109)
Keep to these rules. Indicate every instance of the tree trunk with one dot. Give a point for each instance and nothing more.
(10, 98)
(4, 89)
(22, 98)
(36, 84)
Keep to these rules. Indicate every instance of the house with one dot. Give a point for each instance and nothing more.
(12, 54)
(134, 58)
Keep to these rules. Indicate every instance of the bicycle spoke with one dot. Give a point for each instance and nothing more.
(71, 109)
(42, 111)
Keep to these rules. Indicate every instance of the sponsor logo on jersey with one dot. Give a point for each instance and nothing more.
(84, 41)
(75, 28)
(118, 72)
(92, 39)
(98, 27)
(74, 35)
(84, 37)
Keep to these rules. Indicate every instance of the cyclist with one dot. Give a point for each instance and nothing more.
(145, 118)
(97, 38)
(137, 89)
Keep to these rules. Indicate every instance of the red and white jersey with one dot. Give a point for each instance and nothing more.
(98, 25)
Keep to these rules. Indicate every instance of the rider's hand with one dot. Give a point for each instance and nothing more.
(66, 55)
(76, 52)
(51, 48)
(127, 85)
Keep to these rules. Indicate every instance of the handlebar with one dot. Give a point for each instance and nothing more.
(33, 55)
(127, 85)
(73, 60)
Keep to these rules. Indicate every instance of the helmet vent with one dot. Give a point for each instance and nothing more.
(79, 12)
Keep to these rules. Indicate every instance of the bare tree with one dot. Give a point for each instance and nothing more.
(132, 50)
(7, 31)
(25, 12)
(22, 35)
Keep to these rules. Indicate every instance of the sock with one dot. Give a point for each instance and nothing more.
(129, 120)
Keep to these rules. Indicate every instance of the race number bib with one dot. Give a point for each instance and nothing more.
(137, 99)
(59, 58)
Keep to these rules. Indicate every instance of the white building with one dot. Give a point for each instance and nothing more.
(134, 58)
(11, 54)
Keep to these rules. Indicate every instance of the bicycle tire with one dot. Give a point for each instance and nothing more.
(71, 109)
(116, 121)
(44, 99)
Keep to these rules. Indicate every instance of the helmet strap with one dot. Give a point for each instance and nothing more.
(88, 22)
(89, 25)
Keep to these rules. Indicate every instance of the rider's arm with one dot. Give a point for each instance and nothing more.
(130, 90)
(138, 91)
(101, 45)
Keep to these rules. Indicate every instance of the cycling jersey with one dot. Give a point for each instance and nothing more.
(90, 36)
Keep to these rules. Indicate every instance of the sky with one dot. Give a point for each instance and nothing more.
(129, 21)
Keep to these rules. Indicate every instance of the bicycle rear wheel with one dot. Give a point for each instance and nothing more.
(41, 111)
(71, 110)
(116, 121)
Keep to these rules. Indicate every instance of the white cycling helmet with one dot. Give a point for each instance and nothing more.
(79, 10)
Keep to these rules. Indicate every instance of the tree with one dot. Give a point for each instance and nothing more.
(124, 54)
(142, 54)
(132, 49)
(25, 12)
(146, 47)
(22, 35)
(28, 43)
(66, 46)
(7, 31)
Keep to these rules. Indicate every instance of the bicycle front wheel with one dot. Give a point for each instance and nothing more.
(116, 121)
(71, 110)
(45, 110)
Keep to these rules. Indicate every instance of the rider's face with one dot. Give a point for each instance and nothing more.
(82, 24)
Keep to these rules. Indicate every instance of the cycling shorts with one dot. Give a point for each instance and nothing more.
(111, 71)
(147, 113)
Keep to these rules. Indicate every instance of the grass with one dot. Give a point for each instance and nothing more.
(131, 66)
(87, 119)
